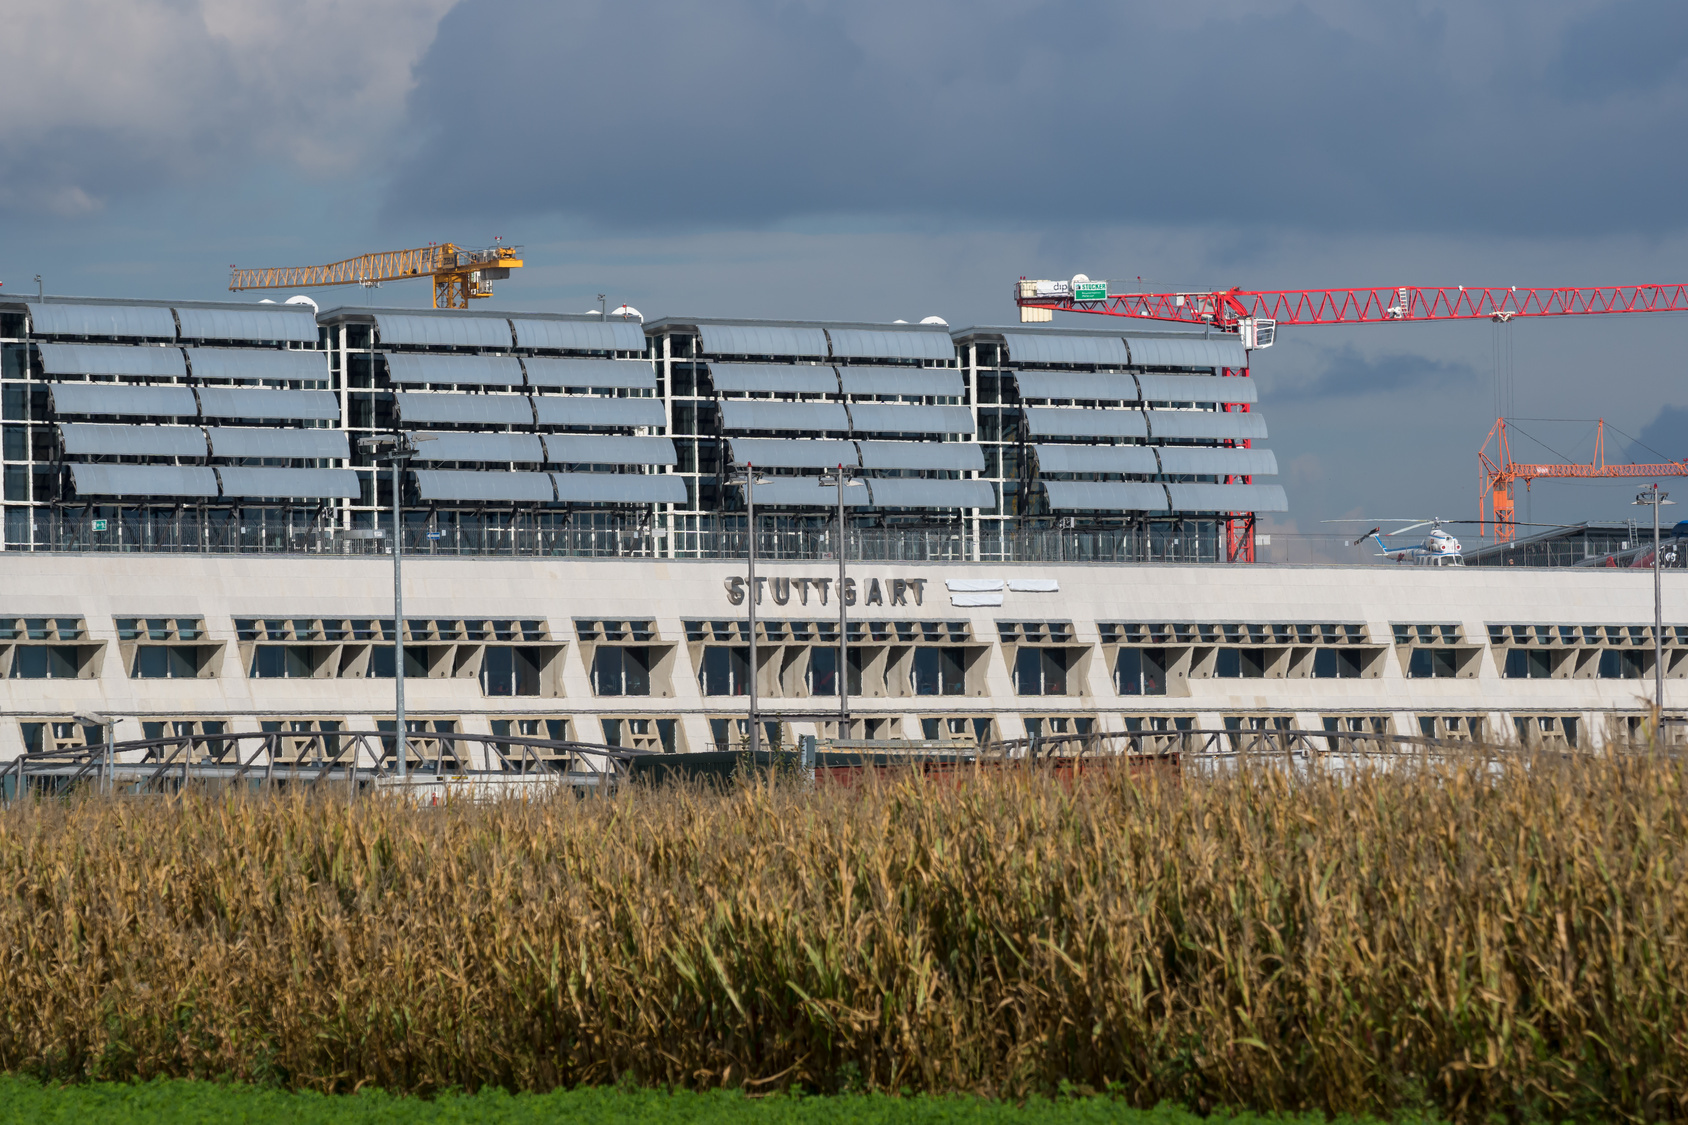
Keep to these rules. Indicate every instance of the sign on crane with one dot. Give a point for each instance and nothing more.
(459, 275)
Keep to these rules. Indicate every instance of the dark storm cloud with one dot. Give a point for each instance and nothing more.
(1511, 119)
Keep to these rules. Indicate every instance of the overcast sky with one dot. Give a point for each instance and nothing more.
(875, 160)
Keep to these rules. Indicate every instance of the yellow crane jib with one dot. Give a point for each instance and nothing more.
(459, 275)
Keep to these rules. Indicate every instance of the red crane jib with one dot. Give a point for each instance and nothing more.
(1362, 306)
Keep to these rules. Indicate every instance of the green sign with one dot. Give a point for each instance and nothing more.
(99, 525)
(1090, 291)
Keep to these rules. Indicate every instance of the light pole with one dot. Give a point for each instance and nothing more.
(749, 479)
(1654, 499)
(843, 477)
(399, 449)
(108, 723)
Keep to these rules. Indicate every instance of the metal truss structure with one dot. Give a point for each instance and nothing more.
(362, 762)
(1229, 309)
(1497, 475)
(459, 275)
(442, 762)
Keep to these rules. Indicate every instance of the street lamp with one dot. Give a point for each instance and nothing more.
(399, 449)
(109, 724)
(843, 477)
(750, 480)
(1653, 498)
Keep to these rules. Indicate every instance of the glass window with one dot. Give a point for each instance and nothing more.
(1140, 671)
(823, 671)
(1041, 671)
(1617, 664)
(1028, 678)
(1435, 664)
(151, 663)
(45, 662)
(940, 671)
(621, 671)
(505, 670)
(725, 670)
(269, 662)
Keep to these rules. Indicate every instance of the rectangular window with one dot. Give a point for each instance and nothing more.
(283, 662)
(621, 671)
(823, 671)
(1041, 671)
(1028, 672)
(1619, 664)
(45, 662)
(1240, 663)
(1336, 664)
(1140, 671)
(1528, 663)
(725, 670)
(381, 663)
(166, 662)
(940, 671)
(556, 730)
(1434, 664)
(1546, 730)
(505, 670)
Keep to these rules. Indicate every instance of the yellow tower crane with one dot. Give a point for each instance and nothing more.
(459, 275)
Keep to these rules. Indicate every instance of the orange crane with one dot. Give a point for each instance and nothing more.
(459, 275)
(1498, 473)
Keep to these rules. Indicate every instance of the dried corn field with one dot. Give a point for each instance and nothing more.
(1508, 942)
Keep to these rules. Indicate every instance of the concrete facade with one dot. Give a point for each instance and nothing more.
(1111, 647)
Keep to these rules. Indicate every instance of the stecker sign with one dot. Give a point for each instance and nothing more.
(1090, 291)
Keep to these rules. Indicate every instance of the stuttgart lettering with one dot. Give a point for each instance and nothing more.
(781, 591)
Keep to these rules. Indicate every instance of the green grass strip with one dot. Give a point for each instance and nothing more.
(212, 1103)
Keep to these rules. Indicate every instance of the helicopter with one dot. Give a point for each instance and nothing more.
(1438, 548)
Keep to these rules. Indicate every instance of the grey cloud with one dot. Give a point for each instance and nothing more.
(1347, 373)
(114, 102)
(1631, 47)
(762, 112)
(1664, 438)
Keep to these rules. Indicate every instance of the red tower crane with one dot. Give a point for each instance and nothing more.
(1256, 315)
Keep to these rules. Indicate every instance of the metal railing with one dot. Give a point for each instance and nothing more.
(358, 760)
(288, 531)
(482, 766)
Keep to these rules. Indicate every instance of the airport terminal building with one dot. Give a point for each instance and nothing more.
(1046, 530)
